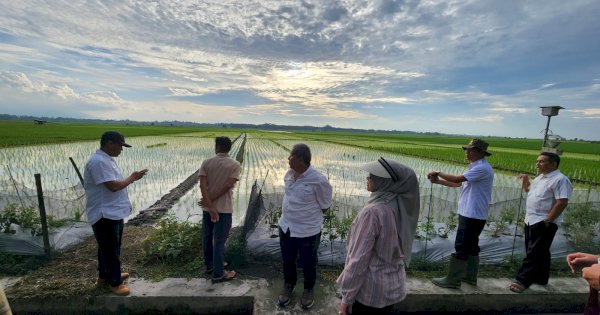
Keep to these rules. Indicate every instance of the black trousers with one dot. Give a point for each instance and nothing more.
(108, 235)
(536, 264)
(307, 248)
(467, 237)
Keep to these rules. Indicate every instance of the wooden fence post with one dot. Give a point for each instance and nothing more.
(42, 207)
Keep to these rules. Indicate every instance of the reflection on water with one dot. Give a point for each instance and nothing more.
(265, 162)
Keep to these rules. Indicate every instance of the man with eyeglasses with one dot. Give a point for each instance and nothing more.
(473, 208)
(308, 195)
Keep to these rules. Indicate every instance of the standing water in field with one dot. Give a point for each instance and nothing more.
(169, 164)
(265, 162)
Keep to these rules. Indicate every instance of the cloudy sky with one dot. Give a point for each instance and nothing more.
(461, 67)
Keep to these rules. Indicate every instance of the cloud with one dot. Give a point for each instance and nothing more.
(15, 54)
(332, 113)
(20, 81)
(504, 108)
(183, 92)
(17, 80)
(349, 62)
(548, 85)
(480, 119)
(587, 113)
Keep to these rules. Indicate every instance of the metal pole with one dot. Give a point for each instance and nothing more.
(77, 170)
(428, 220)
(15, 185)
(546, 131)
(517, 221)
(40, 193)
(329, 214)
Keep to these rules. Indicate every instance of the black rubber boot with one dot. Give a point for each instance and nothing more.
(472, 270)
(456, 272)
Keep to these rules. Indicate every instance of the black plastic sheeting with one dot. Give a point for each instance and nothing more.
(23, 243)
(263, 239)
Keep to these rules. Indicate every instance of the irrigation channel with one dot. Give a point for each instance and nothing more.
(173, 161)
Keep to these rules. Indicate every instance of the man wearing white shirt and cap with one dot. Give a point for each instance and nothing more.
(473, 207)
(107, 206)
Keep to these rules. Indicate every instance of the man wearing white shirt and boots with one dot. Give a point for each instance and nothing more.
(547, 197)
(307, 195)
(473, 207)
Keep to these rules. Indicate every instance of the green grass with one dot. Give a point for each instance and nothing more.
(21, 133)
(512, 155)
(19, 265)
(580, 161)
(514, 143)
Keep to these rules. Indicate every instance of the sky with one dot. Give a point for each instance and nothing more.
(458, 67)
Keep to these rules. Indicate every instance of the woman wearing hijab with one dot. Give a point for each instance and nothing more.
(380, 241)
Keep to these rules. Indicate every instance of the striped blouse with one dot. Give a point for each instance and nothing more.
(374, 271)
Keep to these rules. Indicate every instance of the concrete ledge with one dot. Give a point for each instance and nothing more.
(170, 296)
(259, 296)
(493, 296)
(136, 305)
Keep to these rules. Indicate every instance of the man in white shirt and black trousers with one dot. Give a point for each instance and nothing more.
(547, 197)
(107, 206)
(307, 195)
(473, 208)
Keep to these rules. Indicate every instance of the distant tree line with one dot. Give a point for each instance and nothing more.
(267, 126)
(177, 123)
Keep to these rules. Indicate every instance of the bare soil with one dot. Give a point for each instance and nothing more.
(74, 271)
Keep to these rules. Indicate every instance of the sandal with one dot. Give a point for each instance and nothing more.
(211, 269)
(517, 287)
(227, 276)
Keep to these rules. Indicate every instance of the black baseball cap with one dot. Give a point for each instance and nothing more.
(115, 137)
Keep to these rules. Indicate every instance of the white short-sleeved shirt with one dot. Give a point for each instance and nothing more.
(101, 202)
(476, 193)
(543, 193)
(304, 201)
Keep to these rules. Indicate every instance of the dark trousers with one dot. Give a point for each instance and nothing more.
(360, 309)
(214, 236)
(467, 237)
(307, 248)
(536, 264)
(108, 235)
